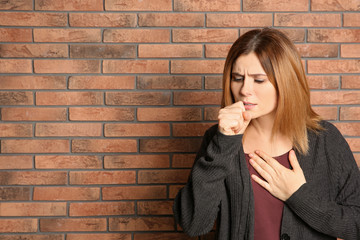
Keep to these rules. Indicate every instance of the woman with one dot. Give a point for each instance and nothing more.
(270, 169)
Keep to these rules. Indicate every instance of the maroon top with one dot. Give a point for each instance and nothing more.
(268, 209)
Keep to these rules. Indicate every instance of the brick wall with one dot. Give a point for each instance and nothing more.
(104, 102)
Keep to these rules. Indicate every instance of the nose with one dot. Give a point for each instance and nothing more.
(247, 87)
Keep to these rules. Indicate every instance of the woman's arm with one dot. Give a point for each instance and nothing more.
(197, 203)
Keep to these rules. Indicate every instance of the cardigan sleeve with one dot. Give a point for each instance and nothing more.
(340, 217)
(197, 204)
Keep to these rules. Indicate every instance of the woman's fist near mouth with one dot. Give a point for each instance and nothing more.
(233, 119)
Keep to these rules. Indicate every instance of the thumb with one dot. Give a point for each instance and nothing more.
(247, 117)
(293, 160)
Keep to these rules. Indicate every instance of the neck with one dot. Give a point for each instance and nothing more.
(263, 126)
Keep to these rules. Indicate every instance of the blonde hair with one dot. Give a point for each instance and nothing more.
(282, 65)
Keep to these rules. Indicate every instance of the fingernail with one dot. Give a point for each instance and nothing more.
(257, 151)
(251, 155)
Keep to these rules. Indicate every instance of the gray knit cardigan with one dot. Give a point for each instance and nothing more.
(219, 188)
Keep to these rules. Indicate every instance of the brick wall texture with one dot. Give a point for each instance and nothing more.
(104, 102)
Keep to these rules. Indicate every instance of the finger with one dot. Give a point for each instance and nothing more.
(261, 182)
(293, 160)
(247, 118)
(238, 104)
(262, 168)
(271, 161)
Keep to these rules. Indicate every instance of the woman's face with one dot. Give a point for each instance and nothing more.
(250, 85)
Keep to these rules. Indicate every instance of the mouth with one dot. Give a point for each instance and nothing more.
(249, 106)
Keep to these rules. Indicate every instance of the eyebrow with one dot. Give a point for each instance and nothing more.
(254, 74)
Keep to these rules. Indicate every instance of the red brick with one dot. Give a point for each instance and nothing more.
(103, 51)
(351, 19)
(307, 20)
(16, 98)
(34, 146)
(32, 209)
(205, 35)
(101, 82)
(211, 113)
(239, 20)
(197, 66)
(275, 5)
(141, 224)
(66, 194)
(133, 129)
(136, 66)
(16, 5)
(15, 35)
(102, 208)
(15, 66)
(334, 35)
(350, 81)
(348, 128)
(338, 97)
(206, 6)
(15, 130)
(136, 161)
(69, 98)
(327, 113)
(350, 51)
(317, 50)
(134, 192)
(217, 50)
(183, 160)
(295, 35)
(197, 98)
(169, 82)
(67, 35)
(33, 114)
(67, 162)
(32, 237)
(213, 82)
(338, 5)
(104, 145)
(134, 5)
(102, 177)
(170, 145)
(171, 20)
(169, 114)
(163, 176)
(97, 236)
(18, 225)
(170, 51)
(190, 129)
(68, 129)
(72, 225)
(36, 19)
(102, 114)
(155, 207)
(33, 178)
(334, 66)
(138, 98)
(34, 50)
(323, 82)
(349, 113)
(173, 190)
(14, 193)
(354, 144)
(32, 82)
(67, 66)
(357, 159)
(137, 35)
(68, 5)
(102, 20)
(163, 236)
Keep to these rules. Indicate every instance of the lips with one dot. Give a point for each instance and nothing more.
(249, 106)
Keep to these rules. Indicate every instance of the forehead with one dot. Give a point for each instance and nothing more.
(248, 63)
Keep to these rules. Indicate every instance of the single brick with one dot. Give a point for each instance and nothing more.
(16, 5)
(101, 114)
(33, 178)
(155, 207)
(332, 98)
(133, 129)
(33, 19)
(102, 177)
(197, 98)
(333, 66)
(339, 5)
(69, 98)
(34, 50)
(183, 160)
(171, 20)
(16, 35)
(134, 192)
(32, 209)
(170, 51)
(137, 35)
(35, 146)
(206, 6)
(350, 81)
(170, 145)
(102, 20)
(16, 98)
(101, 82)
(66, 193)
(15, 66)
(307, 20)
(323, 82)
(67, 35)
(68, 5)
(141, 224)
(67, 66)
(163, 176)
(169, 114)
(18, 225)
(136, 161)
(14, 193)
(15, 130)
(202, 66)
(169, 82)
(68, 129)
(103, 51)
(135, 66)
(134, 5)
(32, 82)
(334, 35)
(239, 20)
(205, 35)
(101, 209)
(190, 129)
(275, 6)
(137, 98)
(104, 145)
(33, 114)
(72, 225)
(349, 113)
(67, 162)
